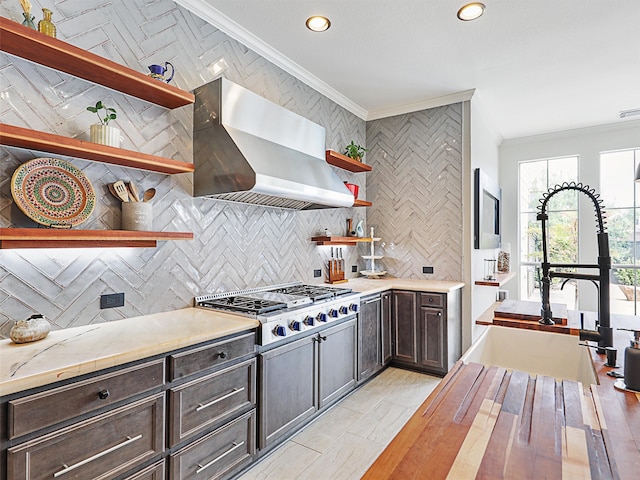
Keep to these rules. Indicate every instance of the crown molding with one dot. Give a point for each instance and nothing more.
(607, 128)
(242, 35)
(421, 105)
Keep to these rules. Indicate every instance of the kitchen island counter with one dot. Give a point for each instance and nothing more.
(487, 422)
(76, 351)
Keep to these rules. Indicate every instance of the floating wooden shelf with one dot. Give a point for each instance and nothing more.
(501, 279)
(54, 238)
(323, 240)
(362, 203)
(346, 163)
(51, 52)
(47, 142)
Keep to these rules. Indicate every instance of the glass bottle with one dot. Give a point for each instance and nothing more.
(45, 25)
(28, 20)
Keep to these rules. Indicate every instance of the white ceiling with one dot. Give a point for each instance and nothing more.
(536, 66)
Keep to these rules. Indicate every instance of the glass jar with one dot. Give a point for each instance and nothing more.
(45, 25)
(489, 268)
(504, 259)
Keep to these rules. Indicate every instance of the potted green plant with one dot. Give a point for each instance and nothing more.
(355, 151)
(102, 132)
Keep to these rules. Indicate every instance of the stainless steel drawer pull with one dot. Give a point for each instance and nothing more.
(67, 469)
(235, 446)
(230, 394)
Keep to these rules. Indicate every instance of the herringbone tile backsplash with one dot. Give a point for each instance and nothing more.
(234, 246)
(416, 190)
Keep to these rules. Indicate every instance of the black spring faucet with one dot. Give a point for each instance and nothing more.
(603, 333)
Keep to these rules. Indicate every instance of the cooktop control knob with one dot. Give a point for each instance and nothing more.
(322, 317)
(309, 321)
(353, 307)
(295, 326)
(333, 313)
(280, 331)
(344, 310)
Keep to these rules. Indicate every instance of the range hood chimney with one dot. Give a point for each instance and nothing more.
(250, 150)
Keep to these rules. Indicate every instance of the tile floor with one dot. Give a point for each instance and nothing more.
(343, 442)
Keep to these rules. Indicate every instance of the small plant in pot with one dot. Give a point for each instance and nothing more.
(354, 151)
(102, 132)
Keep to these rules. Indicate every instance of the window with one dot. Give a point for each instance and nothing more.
(535, 179)
(621, 198)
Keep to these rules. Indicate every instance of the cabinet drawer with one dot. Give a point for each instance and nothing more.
(47, 408)
(198, 359)
(217, 454)
(432, 300)
(152, 472)
(98, 448)
(211, 400)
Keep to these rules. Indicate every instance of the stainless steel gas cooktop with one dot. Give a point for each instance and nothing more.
(286, 310)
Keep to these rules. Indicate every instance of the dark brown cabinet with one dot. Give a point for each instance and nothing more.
(288, 392)
(101, 447)
(375, 335)
(300, 378)
(427, 330)
(405, 327)
(337, 362)
(114, 423)
(219, 453)
(211, 400)
(369, 337)
(432, 336)
(386, 328)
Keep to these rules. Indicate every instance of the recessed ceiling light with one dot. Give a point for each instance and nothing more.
(471, 11)
(318, 23)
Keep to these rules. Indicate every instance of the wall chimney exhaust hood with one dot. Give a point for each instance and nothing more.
(250, 150)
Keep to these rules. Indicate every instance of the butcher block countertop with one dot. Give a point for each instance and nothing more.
(76, 351)
(486, 422)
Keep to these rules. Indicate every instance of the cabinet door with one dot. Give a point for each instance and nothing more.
(101, 447)
(218, 454)
(211, 400)
(406, 327)
(368, 337)
(386, 343)
(337, 360)
(433, 339)
(288, 394)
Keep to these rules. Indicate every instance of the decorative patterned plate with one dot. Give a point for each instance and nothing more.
(53, 192)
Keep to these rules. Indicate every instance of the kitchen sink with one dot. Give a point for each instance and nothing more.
(536, 352)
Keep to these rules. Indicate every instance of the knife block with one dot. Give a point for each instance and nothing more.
(336, 272)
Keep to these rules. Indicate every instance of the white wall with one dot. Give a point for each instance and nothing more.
(485, 143)
(587, 143)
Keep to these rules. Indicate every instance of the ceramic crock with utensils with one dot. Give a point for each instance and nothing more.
(136, 214)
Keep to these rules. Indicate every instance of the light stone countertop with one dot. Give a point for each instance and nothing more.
(76, 351)
(369, 286)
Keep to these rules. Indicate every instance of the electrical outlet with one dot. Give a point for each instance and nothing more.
(317, 273)
(427, 269)
(112, 300)
(354, 268)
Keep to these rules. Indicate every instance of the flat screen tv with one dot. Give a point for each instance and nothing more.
(488, 197)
